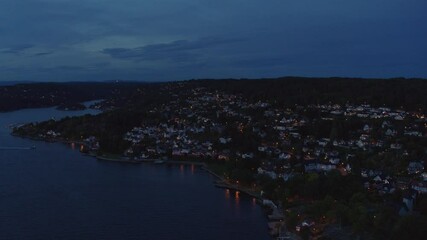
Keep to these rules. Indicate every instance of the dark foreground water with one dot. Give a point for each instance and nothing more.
(54, 192)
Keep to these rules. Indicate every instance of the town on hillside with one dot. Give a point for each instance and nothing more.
(320, 169)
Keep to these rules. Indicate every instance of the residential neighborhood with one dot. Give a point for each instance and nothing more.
(194, 128)
(266, 147)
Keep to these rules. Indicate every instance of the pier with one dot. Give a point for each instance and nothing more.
(233, 187)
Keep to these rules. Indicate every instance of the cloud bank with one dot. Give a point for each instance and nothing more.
(66, 40)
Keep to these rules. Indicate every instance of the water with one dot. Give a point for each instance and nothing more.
(54, 192)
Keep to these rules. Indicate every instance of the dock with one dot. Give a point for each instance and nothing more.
(237, 188)
(120, 160)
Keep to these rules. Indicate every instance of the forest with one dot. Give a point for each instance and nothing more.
(398, 92)
(37, 95)
(407, 93)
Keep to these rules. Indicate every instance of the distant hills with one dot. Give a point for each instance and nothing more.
(36, 95)
(398, 92)
(10, 83)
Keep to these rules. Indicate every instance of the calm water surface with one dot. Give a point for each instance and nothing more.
(54, 192)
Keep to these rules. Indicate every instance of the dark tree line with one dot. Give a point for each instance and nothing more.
(399, 92)
(36, 95)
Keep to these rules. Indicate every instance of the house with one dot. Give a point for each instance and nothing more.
(415, 167)
(129, 151)
(413, 133)
(364, 137)
(408, 200)
(367, 185)
(366, 128)
(386, 124)
(295, 135)
(176, 152)
(271, 174)
(395, 146)
(398, 118)
(362, 115)
(262, 148)
(360, 144)
(287, 176)
(336, 112)
(323, 142)
(334, 161)
(403, 183)
(53, 133)
(223, 157)
(185, 151)
(284, 156)
(247, 155)
(269, 203)
(316, 166)
(224, 140)
(280, 128)
(348, 167)
(262, 134)
(420, 187)
(378, 179)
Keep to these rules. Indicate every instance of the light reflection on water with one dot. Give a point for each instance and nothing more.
(118, 201)
(183, 169)
(237, 198)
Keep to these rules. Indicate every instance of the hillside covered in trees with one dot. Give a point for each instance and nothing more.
(407, 93)
(399, 92)
(37, 95)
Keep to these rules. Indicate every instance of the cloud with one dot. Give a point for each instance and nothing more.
(15, 49)
(70, 68)
(42, 54)
(180, 51)
(172, 39)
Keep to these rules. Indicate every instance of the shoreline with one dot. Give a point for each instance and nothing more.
(220, 183)
(39, 139)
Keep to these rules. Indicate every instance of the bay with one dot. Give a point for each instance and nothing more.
(55, 192)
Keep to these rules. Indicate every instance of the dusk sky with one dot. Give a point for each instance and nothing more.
(163, 40)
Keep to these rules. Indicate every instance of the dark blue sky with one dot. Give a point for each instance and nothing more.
(158, 40)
